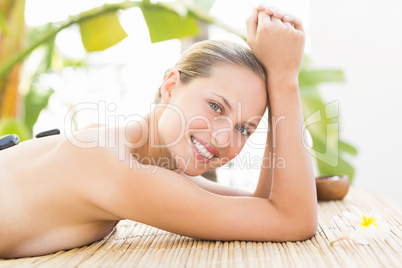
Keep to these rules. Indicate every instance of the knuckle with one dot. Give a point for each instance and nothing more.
(265, 26)
(278, 27)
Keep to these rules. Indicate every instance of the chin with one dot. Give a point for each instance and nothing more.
(193, 173)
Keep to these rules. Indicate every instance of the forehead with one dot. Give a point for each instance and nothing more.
(240, 87)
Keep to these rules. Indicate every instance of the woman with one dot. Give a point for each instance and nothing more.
(63, 193)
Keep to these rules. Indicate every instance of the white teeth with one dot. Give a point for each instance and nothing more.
(201, 149)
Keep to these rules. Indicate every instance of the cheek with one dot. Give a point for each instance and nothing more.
(171, 125)
(198, 122)
(235, 148)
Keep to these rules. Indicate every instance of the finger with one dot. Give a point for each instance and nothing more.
(269, 11)
(278, 14)
(251, 24)
(276, 20)
(297, 23)
(287, 24)
(272, 11)
(261, 7)
(263, 17)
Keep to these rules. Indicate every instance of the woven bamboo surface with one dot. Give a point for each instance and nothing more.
(132, 244)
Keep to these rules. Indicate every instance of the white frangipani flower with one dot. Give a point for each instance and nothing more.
(366, 226)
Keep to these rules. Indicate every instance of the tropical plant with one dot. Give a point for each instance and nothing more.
(100, 29)
(322, 122)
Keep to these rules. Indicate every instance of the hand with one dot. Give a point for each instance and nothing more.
(277, 40)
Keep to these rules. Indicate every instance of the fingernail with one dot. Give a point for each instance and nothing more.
(287, 18)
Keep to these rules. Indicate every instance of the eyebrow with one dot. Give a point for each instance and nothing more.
(224, 100)
(230, 108)
(252, 124)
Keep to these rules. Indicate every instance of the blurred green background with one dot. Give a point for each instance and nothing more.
(23, 96)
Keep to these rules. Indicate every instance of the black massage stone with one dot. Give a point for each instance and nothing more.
(48, 133)
(8, 141)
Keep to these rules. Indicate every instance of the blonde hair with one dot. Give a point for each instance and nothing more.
(198, 60)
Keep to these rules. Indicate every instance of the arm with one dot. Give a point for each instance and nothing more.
(284, 212)
(167, 200)
(279, 44)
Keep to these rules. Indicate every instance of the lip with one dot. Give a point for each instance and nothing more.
(209, 148)
(198, 156)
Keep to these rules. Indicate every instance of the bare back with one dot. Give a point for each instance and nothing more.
(43, 184)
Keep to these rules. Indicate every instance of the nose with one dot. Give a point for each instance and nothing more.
(221, 137)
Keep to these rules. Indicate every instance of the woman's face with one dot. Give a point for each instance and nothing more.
(209, 119)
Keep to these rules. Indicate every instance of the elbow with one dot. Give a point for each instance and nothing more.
(301, 227)
(303, 231)
(307, 219)
(300, 233)
(308, 231)
(306, 228)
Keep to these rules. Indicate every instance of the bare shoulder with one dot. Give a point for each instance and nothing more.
(97, 170)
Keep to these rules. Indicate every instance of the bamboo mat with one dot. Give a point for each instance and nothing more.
(132, 244)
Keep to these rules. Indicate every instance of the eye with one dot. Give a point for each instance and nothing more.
(216, 107)
(244, 131)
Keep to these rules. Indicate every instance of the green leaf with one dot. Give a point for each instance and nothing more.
(35, 101)
(166, 24)
(342, 168)
(329, 157)
(321, 121)
(314, 77)
(347, 148)
(101, 32)
(14, 126)
(311, 100)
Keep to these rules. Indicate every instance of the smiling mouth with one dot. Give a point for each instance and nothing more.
(202, 150)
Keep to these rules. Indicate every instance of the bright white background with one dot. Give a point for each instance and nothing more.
(361, 37)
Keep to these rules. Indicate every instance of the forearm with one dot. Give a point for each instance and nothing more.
(264, 184)
(293, 186)
(287, 183)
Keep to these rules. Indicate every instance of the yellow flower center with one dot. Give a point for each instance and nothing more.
(368, 221)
